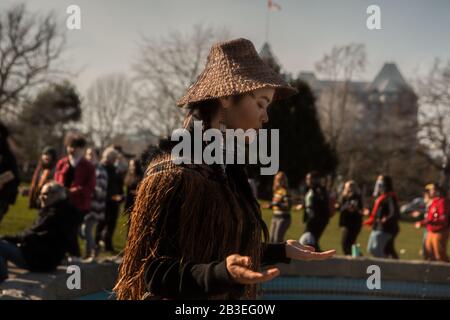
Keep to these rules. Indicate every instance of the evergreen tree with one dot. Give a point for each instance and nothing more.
(302, 144)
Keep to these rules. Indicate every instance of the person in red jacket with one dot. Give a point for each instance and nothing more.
(78, 176)
(436, 222)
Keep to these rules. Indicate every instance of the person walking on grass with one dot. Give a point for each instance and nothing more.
(437, 225)
(383, 219)
(132, 179)
(98, 204)
(77, 175)
(317, 211)
(350, 220)
(106, 227)
(281, 207)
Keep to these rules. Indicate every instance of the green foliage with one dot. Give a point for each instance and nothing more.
(58, 103)
(53, 108)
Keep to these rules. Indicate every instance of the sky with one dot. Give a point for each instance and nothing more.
(413, 32)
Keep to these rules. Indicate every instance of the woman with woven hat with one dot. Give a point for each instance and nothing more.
(196, 229)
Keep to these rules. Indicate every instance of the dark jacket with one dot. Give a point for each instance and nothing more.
(350, 208)
(317, 205)
(83, 180)
(387, 216)
(114, 185)
(130, 196)
(46, 242)
(9, 191)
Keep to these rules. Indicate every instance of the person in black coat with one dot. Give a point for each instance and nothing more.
(132, 179)
(43, 246)
(350, 220)
(384, 219)
(317, 211)
(114, 196)
(9, 173)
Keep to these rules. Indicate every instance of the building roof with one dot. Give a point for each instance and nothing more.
(389, 80)
(266, 52)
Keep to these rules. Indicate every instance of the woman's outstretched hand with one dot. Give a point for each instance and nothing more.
(239, 270)
(297, 251)
(239, 267)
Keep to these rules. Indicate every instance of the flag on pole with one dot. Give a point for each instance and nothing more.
(273, 6)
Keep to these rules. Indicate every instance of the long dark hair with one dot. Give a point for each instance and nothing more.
(133, 178)
(388, 183)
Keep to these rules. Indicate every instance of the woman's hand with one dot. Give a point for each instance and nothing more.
(239, 270)
(297, 251)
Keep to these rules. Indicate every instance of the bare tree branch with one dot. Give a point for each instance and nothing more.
(28, 48)
(340, 67)
(106, 110)
(434, 92)
(162, 72)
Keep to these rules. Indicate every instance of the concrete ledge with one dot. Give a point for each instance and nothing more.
(356, 268)
(95, 277)
(101, 276)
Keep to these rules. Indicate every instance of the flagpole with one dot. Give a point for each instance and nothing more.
(267, 25)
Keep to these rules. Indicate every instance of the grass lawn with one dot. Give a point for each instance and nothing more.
(408, 242)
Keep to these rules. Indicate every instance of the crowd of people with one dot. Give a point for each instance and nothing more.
(78, 196)
(382, 216)
(196, 230)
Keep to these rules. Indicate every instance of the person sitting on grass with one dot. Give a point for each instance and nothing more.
(43, 246)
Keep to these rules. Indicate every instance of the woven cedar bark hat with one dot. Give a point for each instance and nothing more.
(234, 67)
